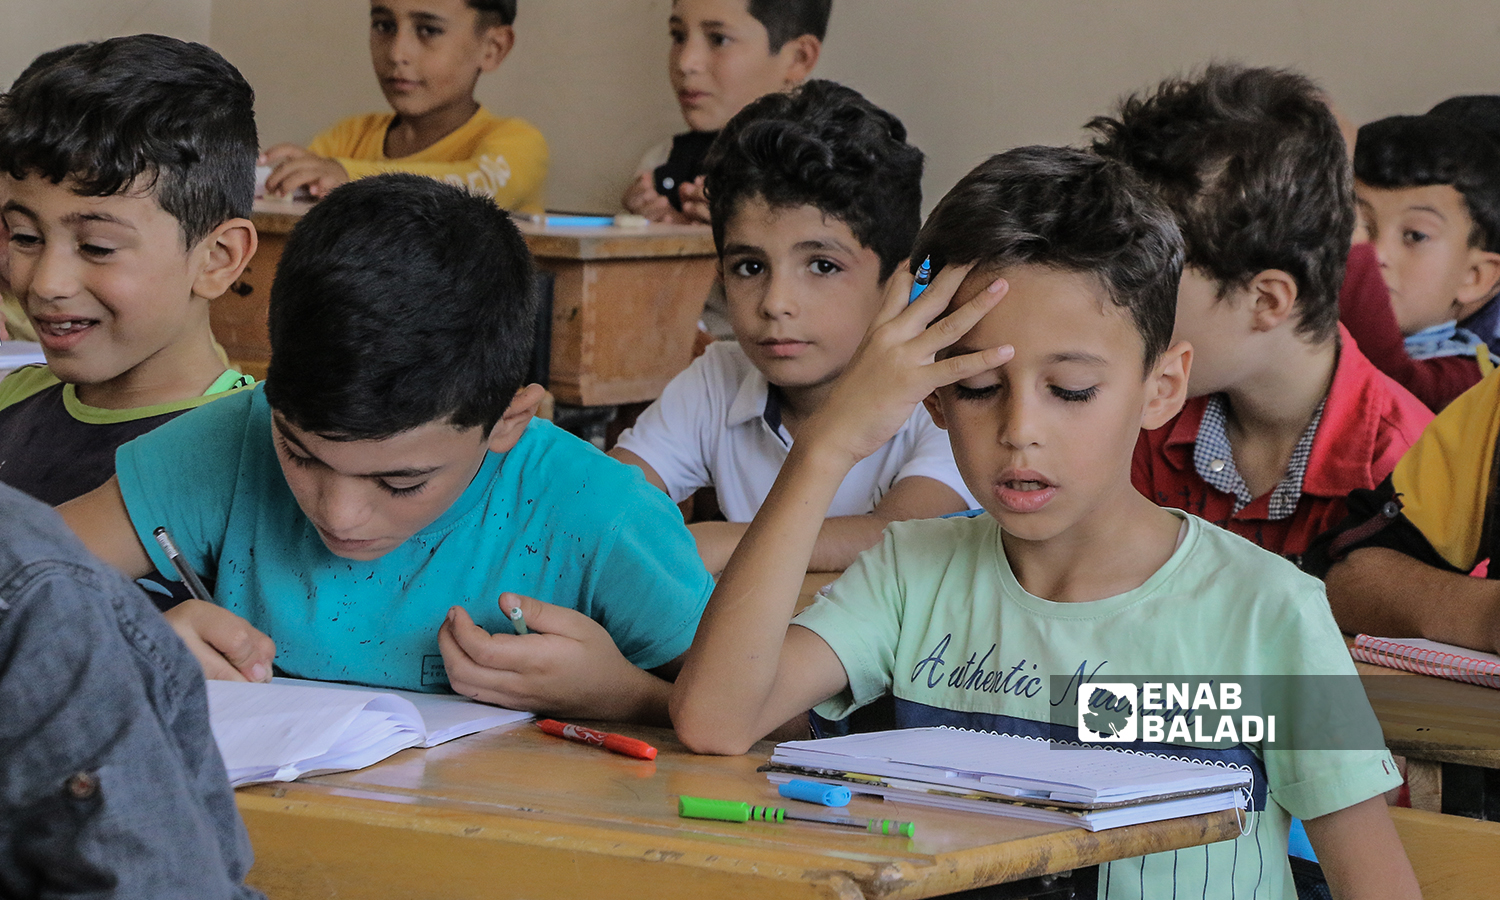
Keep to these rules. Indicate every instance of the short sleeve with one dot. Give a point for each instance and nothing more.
(649, 586)
(932, 456)
(859, 617)
(183, 476)
(675, 435)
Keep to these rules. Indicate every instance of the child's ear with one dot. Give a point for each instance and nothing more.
(516, 417)
(1273, 298)
(1166, 385)
(224, 252)
(1480, 281)
(498, 41)
(935, 409)
(800, 56)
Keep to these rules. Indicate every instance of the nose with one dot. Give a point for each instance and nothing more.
(399, 47)
(689, 57)
(342, 506)
(1021, 427)
(780, 298)
(53, 273)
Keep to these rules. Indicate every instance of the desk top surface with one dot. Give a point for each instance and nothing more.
(1434, 718)
(652, 241)
(521, 786)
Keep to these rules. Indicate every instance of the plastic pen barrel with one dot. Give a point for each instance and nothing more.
(813, 792)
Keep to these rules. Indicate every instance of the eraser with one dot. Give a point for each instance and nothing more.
(813, 792)
(630, 220)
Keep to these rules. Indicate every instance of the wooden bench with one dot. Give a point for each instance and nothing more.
(1455, 858)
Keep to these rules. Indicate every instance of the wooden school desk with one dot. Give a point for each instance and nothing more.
(514, 813)
(1432, 722)
(625, 303)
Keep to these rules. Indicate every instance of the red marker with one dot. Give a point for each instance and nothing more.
(615, 742)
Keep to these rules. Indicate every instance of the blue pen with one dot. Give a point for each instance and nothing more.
(919, 284)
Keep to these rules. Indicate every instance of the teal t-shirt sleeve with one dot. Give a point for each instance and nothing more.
(1330, 753)
(859, 617)
(182, 476)
(649, 586)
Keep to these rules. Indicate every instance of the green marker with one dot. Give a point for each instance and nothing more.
(518, 620)
(736, 811)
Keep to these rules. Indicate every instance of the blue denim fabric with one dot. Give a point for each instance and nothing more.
(110, 782)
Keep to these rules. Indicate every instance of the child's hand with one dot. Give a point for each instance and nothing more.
(228, 647)
(568, 665)
(294, 168)
(894, 368)
(642, 199)
(695, 202)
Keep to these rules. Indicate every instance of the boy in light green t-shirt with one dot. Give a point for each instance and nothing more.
(1058, 272)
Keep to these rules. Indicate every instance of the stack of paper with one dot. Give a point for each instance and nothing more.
(15, 354)
(991, 773)
(290, 728)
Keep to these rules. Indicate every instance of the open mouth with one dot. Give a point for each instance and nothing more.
(1024, 492)
(63, 333)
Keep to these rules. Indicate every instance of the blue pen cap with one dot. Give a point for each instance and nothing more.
(813, 792)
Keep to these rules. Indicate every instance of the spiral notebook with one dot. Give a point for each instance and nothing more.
(1429, 658)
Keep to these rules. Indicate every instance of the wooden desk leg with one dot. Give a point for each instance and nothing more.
(1424, 781)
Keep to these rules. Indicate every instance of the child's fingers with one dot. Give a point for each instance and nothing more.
(959, 322)
(957, 368)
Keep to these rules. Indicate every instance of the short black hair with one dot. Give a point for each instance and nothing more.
(822, 145)
(1252, 163)
(144, 112)
(1481, 111)
(1417, 151)
(1072, 211)
(494, 12)
(43, 60)
(400, 300)
(787, 19)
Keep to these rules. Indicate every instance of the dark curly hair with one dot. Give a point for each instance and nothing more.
(822, 145)
(494, 12)
(1252, 163)
(1417, 151)
(143, 112)
(1069, 210)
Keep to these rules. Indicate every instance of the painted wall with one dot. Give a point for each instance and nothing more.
(969, 77)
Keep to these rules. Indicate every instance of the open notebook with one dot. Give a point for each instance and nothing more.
(1429, 658)
(991, 773)
(289, 728)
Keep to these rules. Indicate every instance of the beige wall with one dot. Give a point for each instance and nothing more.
(29, 27)
(969, 77)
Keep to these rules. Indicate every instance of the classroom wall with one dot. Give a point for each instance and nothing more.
(28, 27)
(969, 77)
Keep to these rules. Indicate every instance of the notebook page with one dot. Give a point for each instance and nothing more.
(259, 726)
(443, 717)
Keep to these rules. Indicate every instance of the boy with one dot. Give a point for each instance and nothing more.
(805, 251)
(428, 56)
(1399, 565)
(724, 54)
(129, 171)
(1059, 271)
(113, 785)
(365, 509)
(1286, 416)
(1428, 189)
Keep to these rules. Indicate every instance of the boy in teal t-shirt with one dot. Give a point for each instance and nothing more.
(1058, 271)
(367, 507)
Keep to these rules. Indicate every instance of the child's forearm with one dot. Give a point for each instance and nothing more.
(720, 702)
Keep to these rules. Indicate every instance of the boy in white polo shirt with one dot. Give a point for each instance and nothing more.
(815, 199)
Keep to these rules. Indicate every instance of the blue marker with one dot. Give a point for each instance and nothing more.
(919, 284)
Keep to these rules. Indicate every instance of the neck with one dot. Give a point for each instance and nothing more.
(1120, 544)
(413, 134)
(180, 371)
(1279, 400)
(800, 403)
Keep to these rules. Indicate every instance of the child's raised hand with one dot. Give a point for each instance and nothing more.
(642, 199)
(568, 665)
(695, 202)
(895, 367)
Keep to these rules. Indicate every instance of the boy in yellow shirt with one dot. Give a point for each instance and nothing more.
(428, 55)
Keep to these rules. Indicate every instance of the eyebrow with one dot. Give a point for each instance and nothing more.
(393, 473)
(838, 246)
(1078, 356)
(1428, 209)
(72, 218)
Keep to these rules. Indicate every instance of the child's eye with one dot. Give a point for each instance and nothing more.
(747, 268)
(383, 26)
(404, 491)
(95, 250)
(24, 241)
(1413, 237)
(1071, 396)
(825, 267)
(717, 39)
(975, 393)
(678, 35)
(428, 31)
